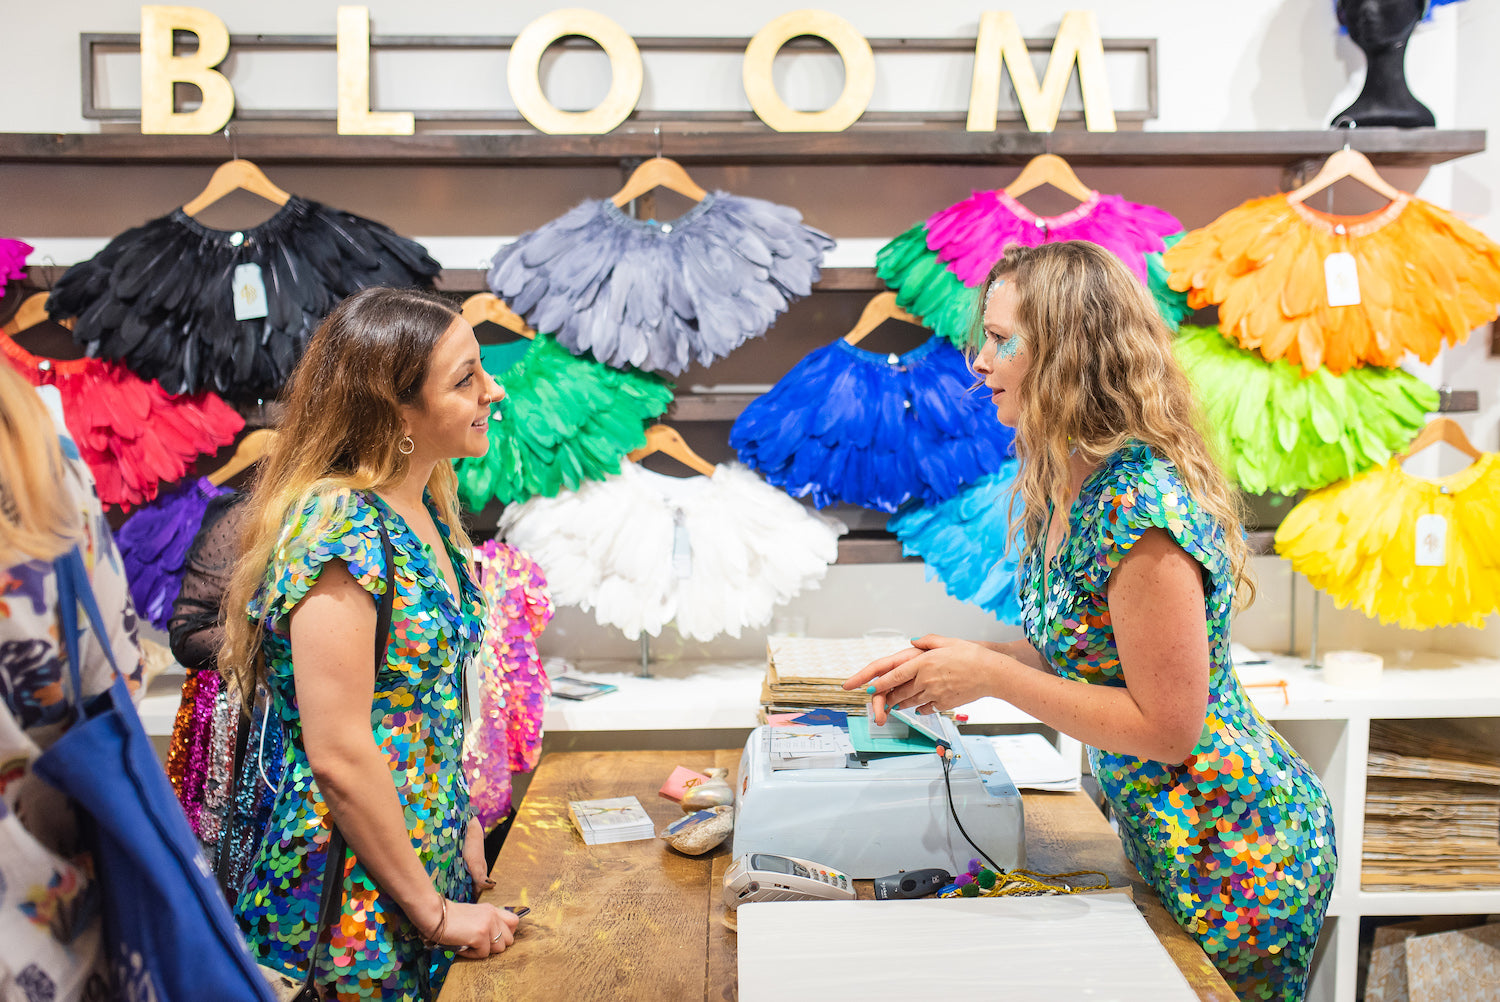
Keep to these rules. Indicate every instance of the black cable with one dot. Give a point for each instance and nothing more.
(948, 784)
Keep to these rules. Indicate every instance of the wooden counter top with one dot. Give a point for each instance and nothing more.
(639, 921)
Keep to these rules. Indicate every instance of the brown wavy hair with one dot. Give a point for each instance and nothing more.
(338, 433)
(1102, 374)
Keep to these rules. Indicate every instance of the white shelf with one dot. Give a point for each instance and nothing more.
(1428, 902)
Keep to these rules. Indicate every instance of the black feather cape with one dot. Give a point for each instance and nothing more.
(159, 297)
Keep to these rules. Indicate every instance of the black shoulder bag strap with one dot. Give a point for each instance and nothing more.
(331, 900)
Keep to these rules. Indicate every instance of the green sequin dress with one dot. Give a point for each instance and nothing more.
(416, 717)
(1238, 840)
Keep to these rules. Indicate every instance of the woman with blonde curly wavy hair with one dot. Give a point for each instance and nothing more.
(1133, 554)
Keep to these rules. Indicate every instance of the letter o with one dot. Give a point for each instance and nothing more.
(859, 72)
(522, 72)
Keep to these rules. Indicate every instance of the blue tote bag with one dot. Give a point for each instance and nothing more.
(168, 931)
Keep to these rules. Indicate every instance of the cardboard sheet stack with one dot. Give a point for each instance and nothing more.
(1432, 810)
(1434, 960)
(807, 673)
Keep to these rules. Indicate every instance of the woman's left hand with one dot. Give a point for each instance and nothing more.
(474, 855)
(937, 673)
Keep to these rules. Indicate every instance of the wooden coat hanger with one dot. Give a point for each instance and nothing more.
(1441, 429)
(877, 311)
(667, 441)
(234, 175)
(1049, 168)
(32, 311)
(658, 172)
(486, 307)
(1345, 163)
(252, 448)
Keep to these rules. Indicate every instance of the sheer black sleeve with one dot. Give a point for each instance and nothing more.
(196, 628)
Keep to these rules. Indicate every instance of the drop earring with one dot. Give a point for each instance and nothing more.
(406, 446)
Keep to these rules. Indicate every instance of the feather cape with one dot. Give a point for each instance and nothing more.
(1357, 541)
(848, 425)
(160, 297)
(967, 543)
(1426, 279)
(133, 435)
(661, 295)
(154, 545)
(710, 554)
(565, 419)
(12, 260)
(937, 266)
(1279, 430)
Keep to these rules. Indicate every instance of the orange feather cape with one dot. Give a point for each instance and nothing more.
(1426, 279)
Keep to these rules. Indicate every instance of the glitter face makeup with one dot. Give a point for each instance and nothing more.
(1008, 348)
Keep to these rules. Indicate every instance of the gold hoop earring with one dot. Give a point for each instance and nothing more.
(406, 446)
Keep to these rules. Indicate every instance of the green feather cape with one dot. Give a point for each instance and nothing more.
(1277, 430)
(564, 420)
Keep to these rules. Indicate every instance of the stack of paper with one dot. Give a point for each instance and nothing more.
(821, 747)
(621, 819)
(809, 672)
(1033, 764)
(1432, 810)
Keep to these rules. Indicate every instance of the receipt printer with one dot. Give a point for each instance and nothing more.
(876, 815)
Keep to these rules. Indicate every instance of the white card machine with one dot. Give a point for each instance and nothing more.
(764, 876)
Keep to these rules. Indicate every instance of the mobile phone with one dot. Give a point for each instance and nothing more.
(929, 729)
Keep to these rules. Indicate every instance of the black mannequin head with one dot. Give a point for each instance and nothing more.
(1381, 28)
(1379, 25)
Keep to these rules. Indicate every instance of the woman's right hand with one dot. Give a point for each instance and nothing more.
(477, 931)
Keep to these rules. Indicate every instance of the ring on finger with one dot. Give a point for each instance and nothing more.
(496, 938)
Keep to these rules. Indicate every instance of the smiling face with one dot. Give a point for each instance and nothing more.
(1003, 360)
(452, 416)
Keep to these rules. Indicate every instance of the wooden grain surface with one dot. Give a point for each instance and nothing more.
(639, 921)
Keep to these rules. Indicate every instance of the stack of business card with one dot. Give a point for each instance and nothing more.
(620, 819)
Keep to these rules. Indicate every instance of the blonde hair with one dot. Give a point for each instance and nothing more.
(1102, 373)
(39, 516)
(339, 432)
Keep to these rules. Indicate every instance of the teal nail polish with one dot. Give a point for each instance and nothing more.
(914, 641)
(870, 689)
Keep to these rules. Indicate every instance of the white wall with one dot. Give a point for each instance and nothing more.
(1250, 65)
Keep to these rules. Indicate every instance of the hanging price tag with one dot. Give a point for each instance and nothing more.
(1342, 278)
(249, 293)
(473, 690)
(1432, 541)
(682, 547)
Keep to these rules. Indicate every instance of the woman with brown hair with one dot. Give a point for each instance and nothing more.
(1132, 557)
(389, 391)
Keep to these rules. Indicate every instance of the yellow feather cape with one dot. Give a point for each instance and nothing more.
(1357, 541)
(1426, 278)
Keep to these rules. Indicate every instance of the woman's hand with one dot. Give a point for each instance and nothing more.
(474, 932)
(474, 855)
(935, 673)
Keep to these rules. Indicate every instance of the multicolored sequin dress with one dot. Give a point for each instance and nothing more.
(1238, 840)
(506, 735)
(416, 716)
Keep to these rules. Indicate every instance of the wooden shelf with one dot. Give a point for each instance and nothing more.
(739, 144)
(832, 280)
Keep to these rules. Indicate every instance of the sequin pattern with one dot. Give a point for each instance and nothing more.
(1238, 840)
(506, 736)
(373, 950)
